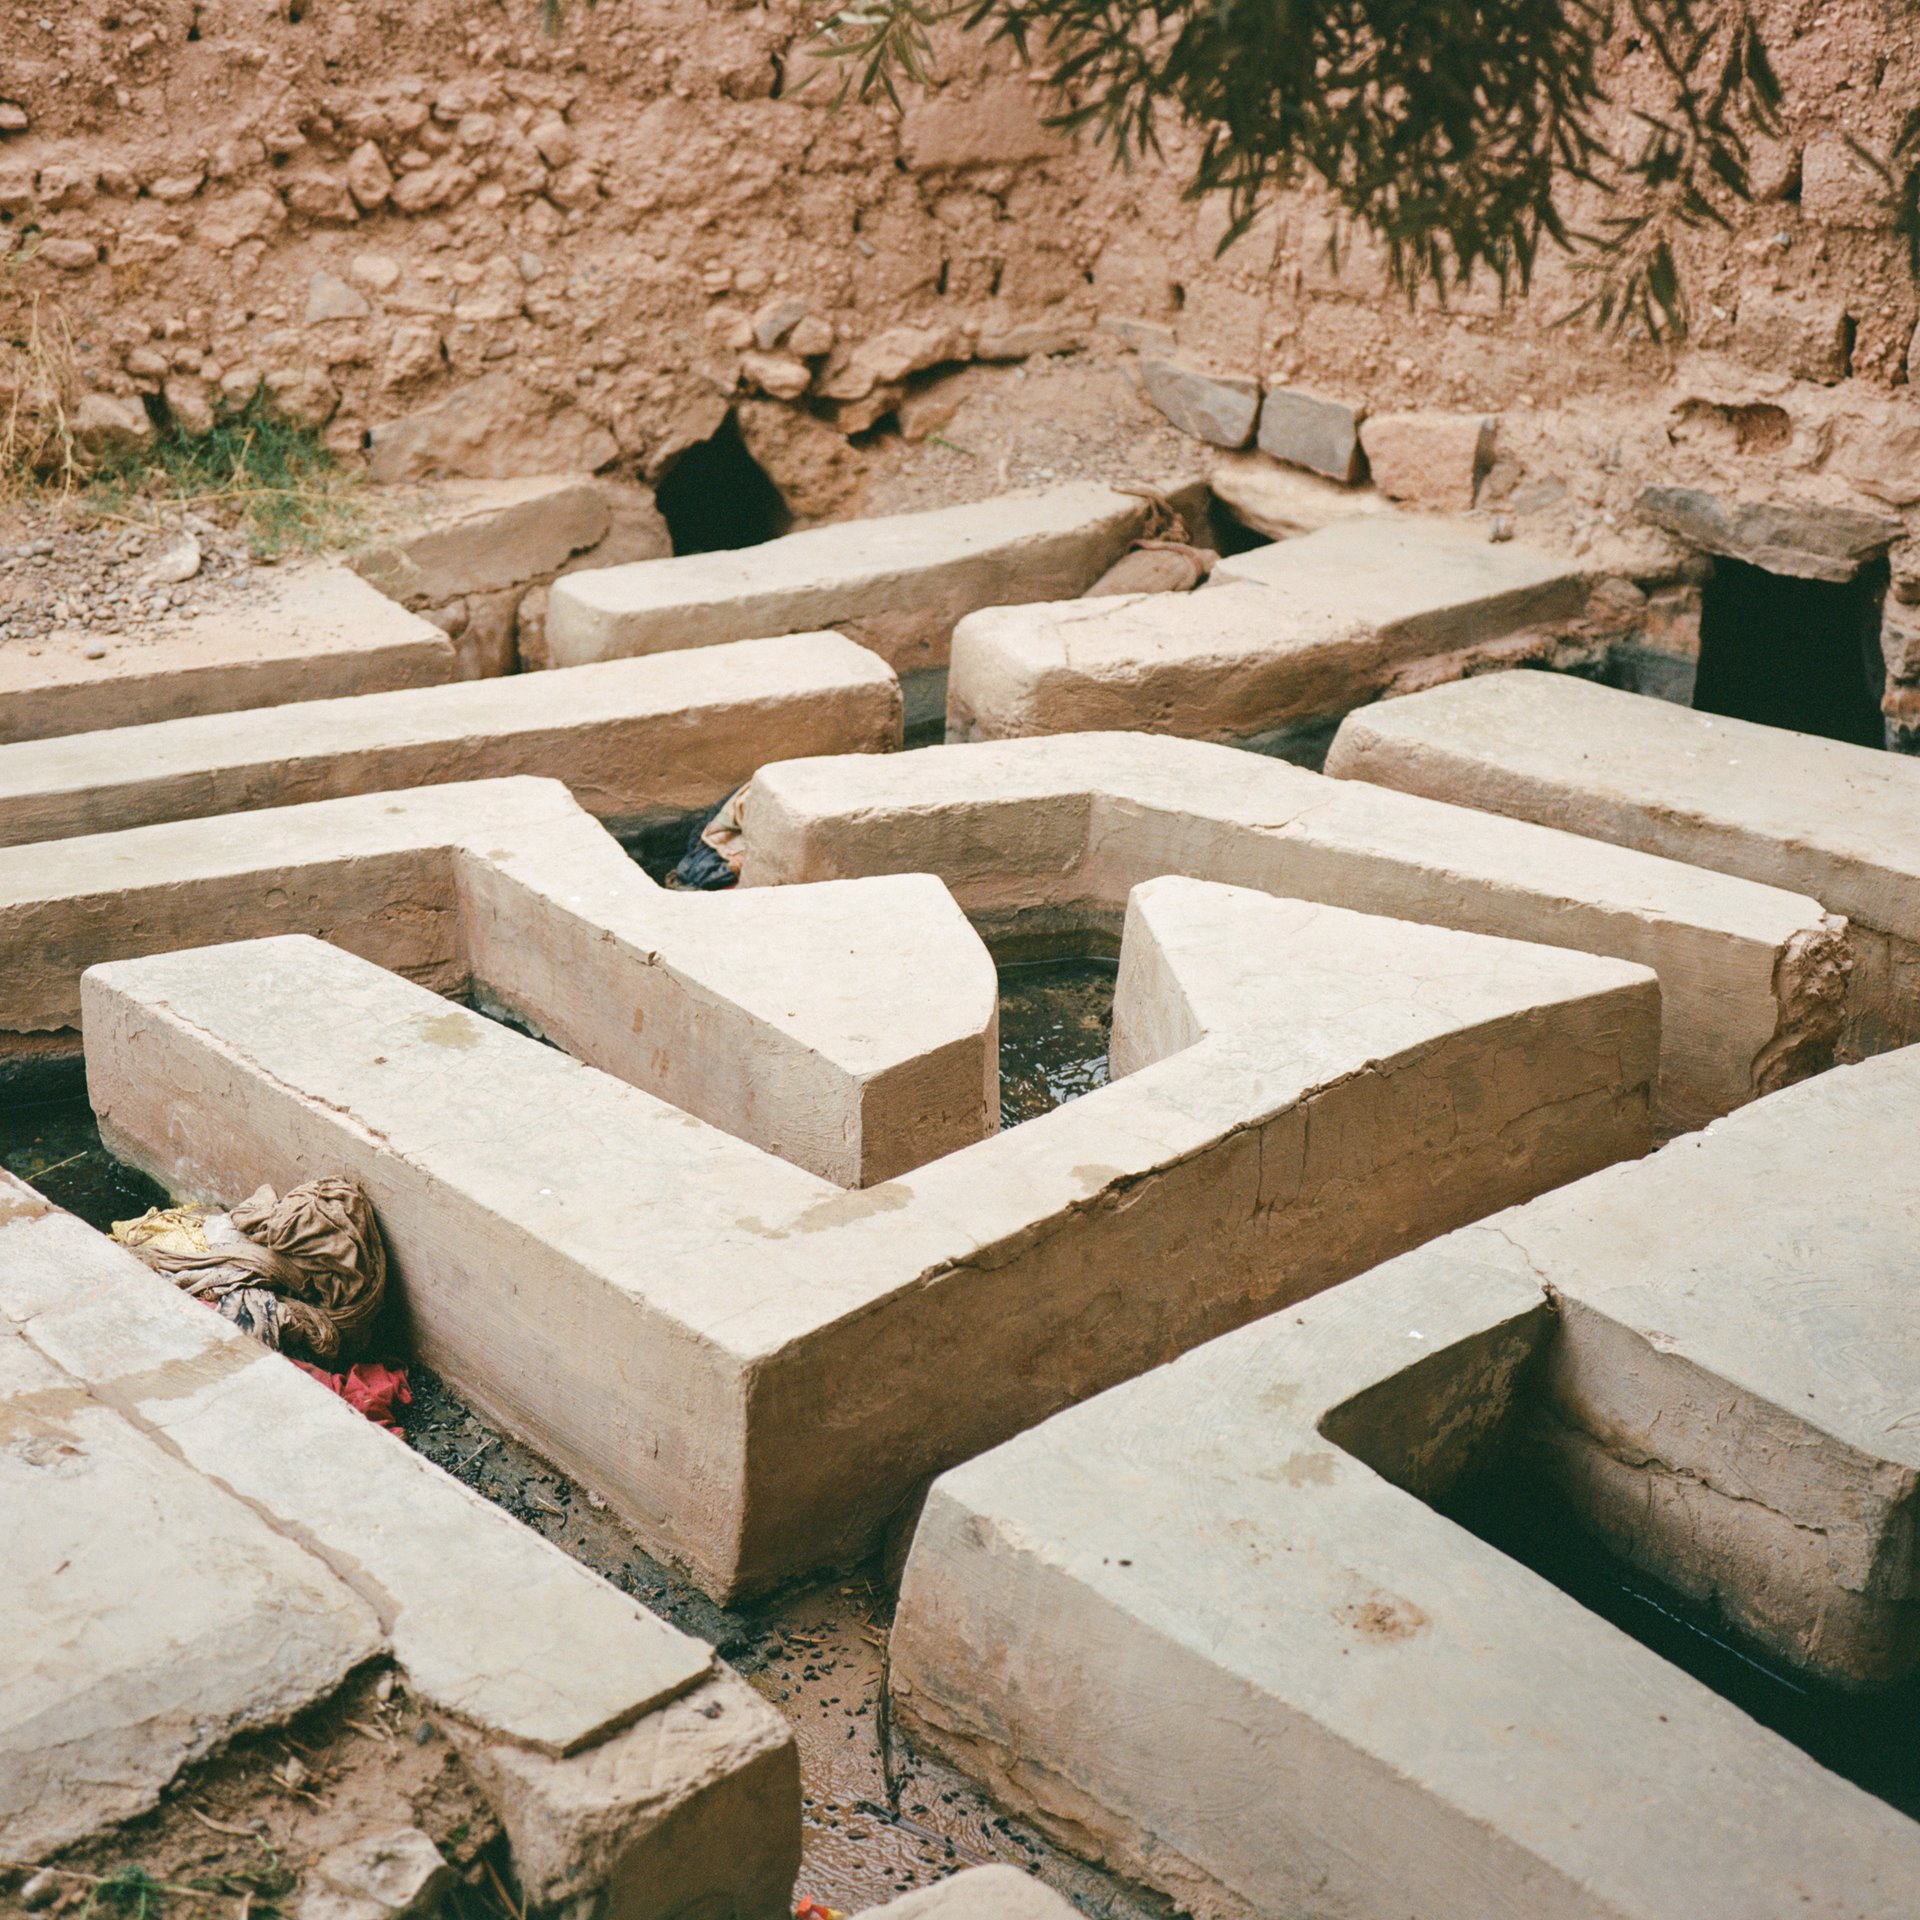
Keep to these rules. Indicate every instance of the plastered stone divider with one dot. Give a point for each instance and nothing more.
(635, 740)
(1286, 637)
(1237, 1655)
(313, 632)
(594, 1727)
(1787, 809)
(850, 1028)
(1060, 828)
(896, 584)
(756, 1368)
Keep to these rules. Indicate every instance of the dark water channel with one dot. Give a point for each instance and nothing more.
(1872, 1739)
(54, 1145)
(1055, 1020)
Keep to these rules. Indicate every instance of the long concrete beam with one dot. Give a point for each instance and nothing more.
(1236, 1653)
(201, 1541)
(315, 632)
(896, 584)
(1057, 830)
(850, 1028)
(637, 741)
(1788, 809)
(757, 1368)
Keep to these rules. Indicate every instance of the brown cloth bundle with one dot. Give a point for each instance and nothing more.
(310, 1274)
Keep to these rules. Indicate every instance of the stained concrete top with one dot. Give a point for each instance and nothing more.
(1285, 633)
(309, 632)
(980, 1893)
(1748, 972)
(1251, 1667)
(630, 737)
(242, 1538)
(1839, 822)
(1040, 545)
(847, 1026)
(671, 1311)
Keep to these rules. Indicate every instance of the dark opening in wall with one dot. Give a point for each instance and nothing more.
(1792, 653)
(716, 495)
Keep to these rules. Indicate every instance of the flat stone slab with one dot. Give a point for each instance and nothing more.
(896, 584)
(214, 1540)
(634, 740)
(849, 1028)
(667, 1310)
(1838, 822)
(1285, 634)
(1052, 833)
(312, 632)
(1237, 1654)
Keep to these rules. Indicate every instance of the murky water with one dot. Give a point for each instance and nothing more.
(1056, 1017)
(54, 1145)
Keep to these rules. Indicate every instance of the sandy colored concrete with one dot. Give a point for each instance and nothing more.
(634, 740)
(850, 1028)
(1057, 831)
(1838, 822)
(1235, 1653)
(755, 1367)
(200, 1459)
(1286, 634)
(313, 632)
(896, 584)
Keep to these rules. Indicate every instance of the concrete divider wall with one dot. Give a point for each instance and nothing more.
(1049, 832)
(636, 741)
(897, 584)
(758, 1368)
(1787, 809)
(202, 1541)
(849, 1028)
(1287, 638)
(1236, 1655)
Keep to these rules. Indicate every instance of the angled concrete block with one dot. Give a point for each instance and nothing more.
(213, 1540)
(1286, 635)
(849, 1028)
(315, 632)
(896, 585)
(1234, 1652)
(1049, 834)
(635, 740)
(666, 1310)
(1841, 823)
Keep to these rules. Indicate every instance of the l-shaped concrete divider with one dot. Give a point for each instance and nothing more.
(202, 1542)
(1789, 809)
(637, 741)
(1284, 640)
(849, 1028)
(1052, 833)
(1235, 1653)
(757, 1368)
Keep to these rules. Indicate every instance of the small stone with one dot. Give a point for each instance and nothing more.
(811, 338)
(321, 196)
(1217, 408)
(293, 1771)
(190, 401)
(369, 178)
(1810, 339)
(41, 1890)
(13, 117)
(776, 320)
(776, 373)
(554, 140)
(531, 267)
(70, 256)
(178, 560)
(1309, 431)
(423, 1733)
(96, 653)
(109, 423)
(330, 298)
(176, 186)
(377, 272)
(382, 1877)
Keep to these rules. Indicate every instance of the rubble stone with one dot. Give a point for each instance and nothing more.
(1308, 431)
(1806, 541)
(1431, 460)
(1218, 408)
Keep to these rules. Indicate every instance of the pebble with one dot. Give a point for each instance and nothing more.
(41, 1890)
